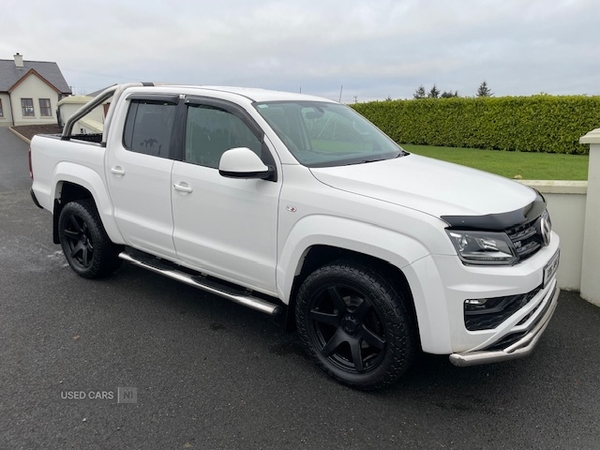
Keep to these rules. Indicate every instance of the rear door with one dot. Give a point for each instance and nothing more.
(225, 227)
(139, 174)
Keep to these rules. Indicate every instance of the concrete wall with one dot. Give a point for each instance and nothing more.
(575, 212)
(567, 205)
(590, 268)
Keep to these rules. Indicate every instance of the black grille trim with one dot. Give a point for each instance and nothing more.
(496, 311)
(526, 238)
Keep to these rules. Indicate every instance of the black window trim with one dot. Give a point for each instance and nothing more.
(171, 99)
(176, 139)
(231, 108)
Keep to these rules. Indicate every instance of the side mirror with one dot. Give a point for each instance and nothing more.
(241, 162)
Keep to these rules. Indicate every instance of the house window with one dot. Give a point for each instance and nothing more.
(45, 108)
(27, 107)
(1, 110)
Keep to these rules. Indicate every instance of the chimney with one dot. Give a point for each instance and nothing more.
(18, 60)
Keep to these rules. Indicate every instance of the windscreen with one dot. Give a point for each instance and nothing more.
(321, 134)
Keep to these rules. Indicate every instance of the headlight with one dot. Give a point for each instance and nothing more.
(480, 247)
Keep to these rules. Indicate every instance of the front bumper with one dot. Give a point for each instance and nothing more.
(522, 346)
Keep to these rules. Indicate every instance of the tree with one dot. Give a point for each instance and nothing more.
(434, 92)
(449, 94)
(484, 90)
(420, 93)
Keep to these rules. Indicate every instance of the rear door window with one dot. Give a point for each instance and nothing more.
(149, 127)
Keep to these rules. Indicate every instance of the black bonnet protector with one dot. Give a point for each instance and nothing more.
(501, 221)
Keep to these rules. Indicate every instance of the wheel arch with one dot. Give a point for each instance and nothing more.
(76, 182)
(320, 232)
(66, 192)
(320, 255)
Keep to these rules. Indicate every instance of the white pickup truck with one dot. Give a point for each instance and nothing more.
(298, 207)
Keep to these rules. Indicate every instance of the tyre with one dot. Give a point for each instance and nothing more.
(355, 326)
(87, 247)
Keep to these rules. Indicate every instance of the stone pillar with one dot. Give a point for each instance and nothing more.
(590, 270)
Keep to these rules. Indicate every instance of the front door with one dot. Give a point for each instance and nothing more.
(224, 227)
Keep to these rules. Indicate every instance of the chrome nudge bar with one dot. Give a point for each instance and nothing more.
(522, 347)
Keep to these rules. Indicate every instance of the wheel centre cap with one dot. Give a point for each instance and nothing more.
(350, 325)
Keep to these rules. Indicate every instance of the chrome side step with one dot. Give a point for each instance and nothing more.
(212, 287)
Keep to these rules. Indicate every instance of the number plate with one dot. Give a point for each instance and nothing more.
(551, 268)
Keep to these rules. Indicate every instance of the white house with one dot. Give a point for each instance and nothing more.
(30, 91)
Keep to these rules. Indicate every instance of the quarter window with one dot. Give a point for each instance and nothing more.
(45, 108)
(1, 110)
(211, 131)
(27, 107)
(148, 128)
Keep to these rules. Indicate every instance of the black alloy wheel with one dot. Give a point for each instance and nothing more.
(78, 240)
(355, 326)
(87, 247)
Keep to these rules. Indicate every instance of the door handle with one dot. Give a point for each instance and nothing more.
(183, 187)
(117, 170)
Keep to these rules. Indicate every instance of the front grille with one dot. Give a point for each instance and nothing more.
(526, 238)
(493, 311)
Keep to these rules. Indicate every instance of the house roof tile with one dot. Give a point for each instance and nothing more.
(10, 74)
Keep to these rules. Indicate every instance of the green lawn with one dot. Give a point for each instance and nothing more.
(529, 166)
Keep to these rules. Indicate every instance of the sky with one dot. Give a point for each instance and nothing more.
(363, 50)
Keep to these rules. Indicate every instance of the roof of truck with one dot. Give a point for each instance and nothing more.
(253, 94)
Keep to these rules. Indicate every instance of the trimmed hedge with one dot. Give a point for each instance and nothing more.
(541, 123)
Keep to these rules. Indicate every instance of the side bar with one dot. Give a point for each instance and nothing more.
(245, 300)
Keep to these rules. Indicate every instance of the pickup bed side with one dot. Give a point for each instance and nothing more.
(62, 169)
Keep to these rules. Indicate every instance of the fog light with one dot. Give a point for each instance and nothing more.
(476, 301)
(475, 304)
